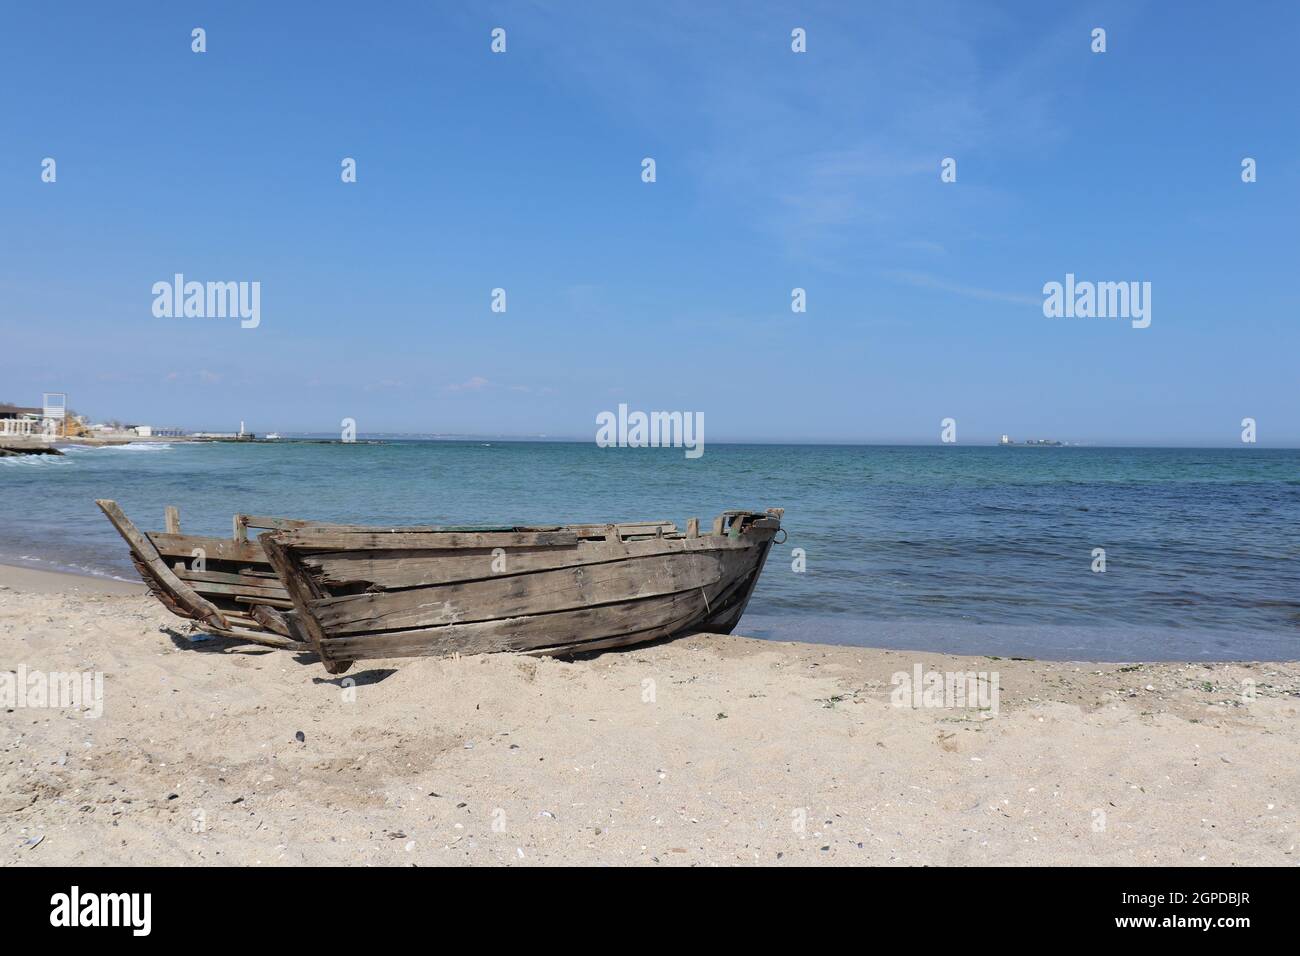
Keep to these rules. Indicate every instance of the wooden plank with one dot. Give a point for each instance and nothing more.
(622, 640)
(669, 612)
(271, 619)
(214, 549)
(693, 528)
(239, 619)
(541, 593)
(283, 602)
(413, 568)
(356, 536)
(268, 523)
(627, 528)
(271, 523)
(142, 547)
(297, 631)
(302, 591)
(235, 590)
(257, 637)
(333, 540)
(172, 519)
(258, 579)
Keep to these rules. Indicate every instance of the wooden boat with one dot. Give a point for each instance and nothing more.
(226, 585)
(368, 593)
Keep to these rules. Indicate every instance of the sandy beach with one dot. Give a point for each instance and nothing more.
(707, 750)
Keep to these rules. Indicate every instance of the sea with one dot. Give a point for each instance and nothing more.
(1062, 553)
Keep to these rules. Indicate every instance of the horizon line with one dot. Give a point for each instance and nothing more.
(822, 442)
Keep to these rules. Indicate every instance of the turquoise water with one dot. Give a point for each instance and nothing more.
(975, 550)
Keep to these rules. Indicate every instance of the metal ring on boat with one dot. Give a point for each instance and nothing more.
(783, 540)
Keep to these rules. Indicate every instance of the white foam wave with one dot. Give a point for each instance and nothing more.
(31, 461)
(67, 567)
(140, 446)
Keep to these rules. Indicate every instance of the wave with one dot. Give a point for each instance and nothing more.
(139, 446)
(32, 461)
(65, 567)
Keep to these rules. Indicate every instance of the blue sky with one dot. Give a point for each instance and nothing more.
(775, 170)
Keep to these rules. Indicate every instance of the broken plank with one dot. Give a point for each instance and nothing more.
(143, 549)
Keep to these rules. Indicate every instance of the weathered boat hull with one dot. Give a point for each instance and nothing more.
(225, 585)
(364, 593)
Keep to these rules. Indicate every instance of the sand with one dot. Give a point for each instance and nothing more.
(702, 751)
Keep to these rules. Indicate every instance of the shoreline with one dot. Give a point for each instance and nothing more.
(999, 642)
(705, 750)
(56, 580)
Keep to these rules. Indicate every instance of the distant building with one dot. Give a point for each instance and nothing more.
(18, 420)
(1006, 440)
(18, 411)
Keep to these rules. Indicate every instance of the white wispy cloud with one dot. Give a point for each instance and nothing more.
(927, 281)
(474, 384)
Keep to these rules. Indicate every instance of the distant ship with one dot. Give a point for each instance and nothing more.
(1038, 442)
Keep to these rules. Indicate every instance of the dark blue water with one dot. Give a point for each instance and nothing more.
(976, 550)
